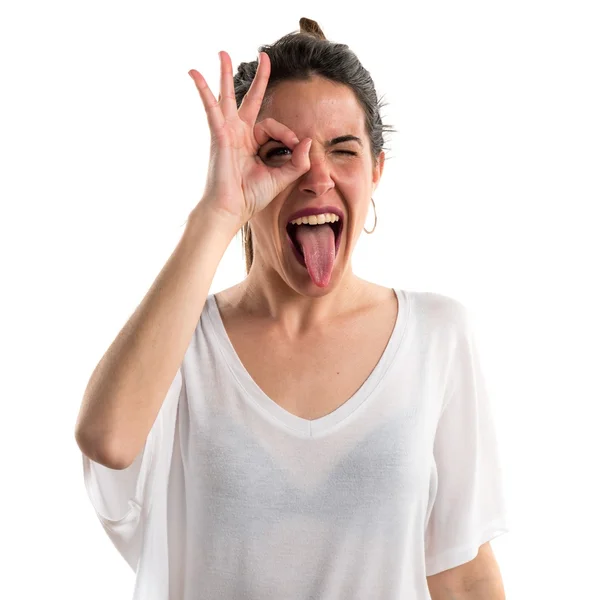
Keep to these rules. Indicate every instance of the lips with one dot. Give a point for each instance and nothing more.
(337, 227)
(316, 210)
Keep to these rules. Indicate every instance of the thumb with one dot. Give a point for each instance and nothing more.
(298, 164)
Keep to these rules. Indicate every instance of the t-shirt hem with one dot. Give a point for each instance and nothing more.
(464, 553)
(131, 513)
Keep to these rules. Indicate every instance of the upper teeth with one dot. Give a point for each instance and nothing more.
(316, 219)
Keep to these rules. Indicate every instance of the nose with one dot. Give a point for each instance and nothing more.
(317, 180)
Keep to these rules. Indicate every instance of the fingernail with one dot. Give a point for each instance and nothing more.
(295, 140)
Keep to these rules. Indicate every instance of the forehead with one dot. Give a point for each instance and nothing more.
(316, 106)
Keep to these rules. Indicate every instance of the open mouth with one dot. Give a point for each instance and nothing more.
(337, 230)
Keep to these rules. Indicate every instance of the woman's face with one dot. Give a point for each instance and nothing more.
(341, 174)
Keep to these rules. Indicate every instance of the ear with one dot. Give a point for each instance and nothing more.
(378, 169)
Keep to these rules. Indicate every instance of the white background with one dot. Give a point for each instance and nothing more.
(490, 195)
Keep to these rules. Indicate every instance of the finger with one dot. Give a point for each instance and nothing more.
(252, 102)
(227, 97)
(211, 106)
(298, 164)
(270, 128)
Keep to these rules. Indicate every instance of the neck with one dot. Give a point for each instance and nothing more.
(265, 296)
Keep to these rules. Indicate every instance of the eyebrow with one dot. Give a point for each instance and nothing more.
(336, 140)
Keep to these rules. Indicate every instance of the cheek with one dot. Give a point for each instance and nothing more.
(265, 224)
(354, 183)
(353, 175)
(357, 170)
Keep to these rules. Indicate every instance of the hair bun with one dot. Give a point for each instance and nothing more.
(312, 28)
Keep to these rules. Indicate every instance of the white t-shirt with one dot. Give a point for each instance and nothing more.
(233, 497)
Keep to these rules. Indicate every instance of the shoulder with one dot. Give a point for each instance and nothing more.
(440, 309)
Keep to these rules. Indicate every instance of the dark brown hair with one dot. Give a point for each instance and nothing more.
(300, 55)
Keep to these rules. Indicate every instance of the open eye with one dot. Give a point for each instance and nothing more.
(270, 153)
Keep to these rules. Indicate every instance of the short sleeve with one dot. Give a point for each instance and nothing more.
(469, 507)
(123, 498)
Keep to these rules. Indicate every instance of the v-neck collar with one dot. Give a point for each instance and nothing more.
(298, 424)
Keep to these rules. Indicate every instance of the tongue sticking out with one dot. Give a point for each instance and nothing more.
(318, 246)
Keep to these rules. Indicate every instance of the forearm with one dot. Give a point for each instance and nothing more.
(129, 385)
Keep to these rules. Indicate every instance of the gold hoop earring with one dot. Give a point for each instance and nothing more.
(372, 230)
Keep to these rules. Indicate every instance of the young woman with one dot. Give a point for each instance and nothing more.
(305, 433)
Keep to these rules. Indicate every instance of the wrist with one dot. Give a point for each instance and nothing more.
(205, 216)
